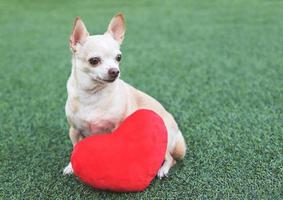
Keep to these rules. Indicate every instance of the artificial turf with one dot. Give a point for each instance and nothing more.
(215, 65)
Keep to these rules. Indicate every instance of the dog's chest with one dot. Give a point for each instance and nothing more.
(92, 119)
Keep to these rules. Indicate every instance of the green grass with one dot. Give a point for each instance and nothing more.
(216, 65)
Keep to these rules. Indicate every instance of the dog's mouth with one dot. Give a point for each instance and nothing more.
(111, 80)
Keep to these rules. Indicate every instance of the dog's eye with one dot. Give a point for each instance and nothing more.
(118, 57)
(94, 61)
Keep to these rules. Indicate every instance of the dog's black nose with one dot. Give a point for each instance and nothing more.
(113, 72)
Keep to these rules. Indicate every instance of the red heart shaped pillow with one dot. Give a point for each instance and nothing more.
(125, 160)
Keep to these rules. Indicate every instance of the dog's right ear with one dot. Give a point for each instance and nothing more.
(79, 34)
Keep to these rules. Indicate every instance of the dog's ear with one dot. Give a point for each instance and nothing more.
(117, 28)
(79, 34)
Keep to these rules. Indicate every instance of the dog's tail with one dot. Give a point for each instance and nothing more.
(179, 150)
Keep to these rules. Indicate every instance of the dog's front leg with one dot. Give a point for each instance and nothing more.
(75, 137)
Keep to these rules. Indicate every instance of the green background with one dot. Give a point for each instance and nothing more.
(215, 65)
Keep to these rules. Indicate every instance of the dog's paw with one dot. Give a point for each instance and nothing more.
(68, 170)
(163, 172)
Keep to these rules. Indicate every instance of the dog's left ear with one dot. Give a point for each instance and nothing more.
(117, 28)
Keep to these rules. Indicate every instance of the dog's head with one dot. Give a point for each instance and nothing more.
(98, 56)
